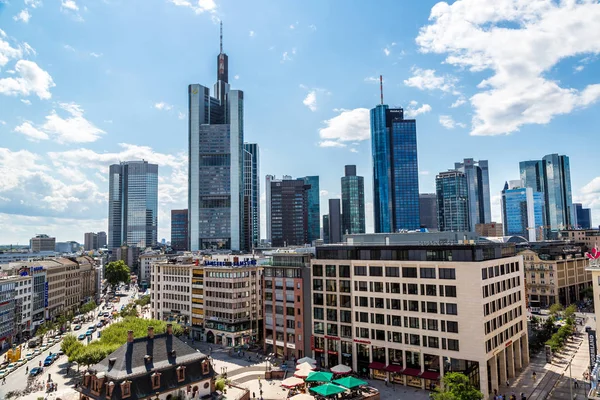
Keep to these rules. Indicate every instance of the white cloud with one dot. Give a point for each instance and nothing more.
(286, 56)
(447, 122)
(180, 115)
(25, 101)
(23, 16)
(323, 193)
(33, 3)
(310, 100)
(423, 172)
(2, 122)
(459, 102)
(31, 132)
(72, 129)
(373, 79)
(426, 79)
(32, 80)
(353, 150)
(69, 48)
(163, 106)
(312, 27)
(519, 42)
(386, 51)
(7, 52)
(293, 26)
(412, 112)
(251, 34)
(348, 126)
(69, 5)
(96, 55)
(28, 49)
(579, 68)
(236, 77)
(198, 6)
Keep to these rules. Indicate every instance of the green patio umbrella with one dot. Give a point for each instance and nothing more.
(328, 389)
(350, 382)
(319, 376)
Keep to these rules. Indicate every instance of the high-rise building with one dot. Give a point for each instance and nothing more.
(252, 191)
(478, 184)
(452, 201)
(42, 242)
(584, 216)
(428, 211)
(395, 170)
(268, 179)
(179, 230)
(522, 211)
(314, 208)
(90, 241)
(215, 164)
(335, 221)
(133, 204)
(353, 202)
(326, 229)
(101, 240)
(552, 177)
(288, 211)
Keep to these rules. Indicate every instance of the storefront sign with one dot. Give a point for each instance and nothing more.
(508, 343)
(362, 341)
(269, 341)
(333, 353)
(332, 337)
(319, 350)
(592, 342)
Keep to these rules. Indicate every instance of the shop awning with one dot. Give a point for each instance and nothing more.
(377, 365)
(394, 368)
(431, 375)
(411, 372)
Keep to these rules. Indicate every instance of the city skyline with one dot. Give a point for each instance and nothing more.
(62, 131)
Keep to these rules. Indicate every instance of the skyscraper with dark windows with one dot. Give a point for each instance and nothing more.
(314, 208)
(395, 170)
(452, 190)
(335, 221)
(584, 216)
(251, 195)
(216, 164)
(478, 184)
(326, 229)
(179, 230)
(522, 211)
(532, 175)
(132, 204)
(353, 202)
(288, 205)
(428, 211)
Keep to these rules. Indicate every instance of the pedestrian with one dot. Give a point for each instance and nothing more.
(507, 383)
(4, 381)
(575, 383)
(523, 396)
(26, 370)
(386, 381)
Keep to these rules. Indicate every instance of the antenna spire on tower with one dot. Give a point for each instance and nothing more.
(381, 87)
(221, 38)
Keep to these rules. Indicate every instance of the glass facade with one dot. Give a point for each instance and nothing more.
(452, 201)
(428, 211)
(558, 197)
(179, 230)
(289, 212)
(353, 202)
(314, 208)
(395, 170)
(522, 212)
(478, 182)
(252, 188)
(133, 204)
(584, 216)
(335, 221)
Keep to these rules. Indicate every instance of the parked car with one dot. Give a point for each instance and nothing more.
(29, 356)
(36, 371)
(11, 367)
(100, 324)
(77, 327)
(48, 361)
(89, 333)
(3, 373)
(81, 337)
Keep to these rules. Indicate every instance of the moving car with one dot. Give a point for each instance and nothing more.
(81, 337)
(29, 356)
(99, 324)
(11, 367)
(3, 373)
(77, 327)
(48, 361)
(36, 371)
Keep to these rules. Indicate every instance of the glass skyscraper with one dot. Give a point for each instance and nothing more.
(288, 205)
(132, 204)
(428, 211)
(584, 216)
(395, 170)
(522, 212)
(314, 208)
(252, 193)
(353, 202)
(216, 164)
(478, 182)
(179, 230)
(451, 190)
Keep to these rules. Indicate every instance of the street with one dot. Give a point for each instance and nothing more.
(19, 380)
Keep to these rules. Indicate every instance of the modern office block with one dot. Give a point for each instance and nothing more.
(478, 184)
(522, 211)
(288, 211)
(326, 229)
(353, 202)
(335, 221)
(252, 190)
(102, 240)
(42, 242)
(452, 201)
(314, 208)
(395, 170)
(584, 216)
(428, 211)
(179, 230)
(90, 241)
(133, 204)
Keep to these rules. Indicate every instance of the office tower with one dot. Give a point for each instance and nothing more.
(90, 241)
(478, 183)
(335, 221)
(522, 211)
(493, 229)
(326, 229)
(252, 189)
(42, 242)
(216, 160)
(532, 175)
(101, 240)
(288, 200)
(179, 230)
(133, 204)
(452, 201)
(395, 170)
(584, 216)
(353, 202)
(268, 180)
(314, 208)
(428, 211)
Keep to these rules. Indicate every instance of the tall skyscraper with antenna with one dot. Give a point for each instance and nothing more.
(216, 161)
(395, 169)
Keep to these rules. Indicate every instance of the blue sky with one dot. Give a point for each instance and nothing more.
(84, 84)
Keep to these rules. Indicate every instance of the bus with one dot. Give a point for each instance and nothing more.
(534, 306)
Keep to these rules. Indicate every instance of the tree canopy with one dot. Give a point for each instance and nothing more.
(555, 309)
(117, 272)
(89, 306)
(143, 301)
(457, 387)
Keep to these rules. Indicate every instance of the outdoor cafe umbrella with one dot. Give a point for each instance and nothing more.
(302, 396)
(307, 360)
(292, 382)
(319, 377)
(328, 389)
(350, 382)
(302, 373)
(341, 369)
(305, 365)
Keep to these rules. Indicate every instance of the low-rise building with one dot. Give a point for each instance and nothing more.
(23, 305)
(152, 367)
(88, 276)
(146, 260)
(171, 290)
(411, 313)
(589, 237)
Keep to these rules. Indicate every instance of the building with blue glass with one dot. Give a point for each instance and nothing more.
(251, 196)
(179, 230)
(133, 204)
(395, 170)
(452, 194)
(353, 202)
(584, 216)
(314, 208)
(478, 183)
(522, 211)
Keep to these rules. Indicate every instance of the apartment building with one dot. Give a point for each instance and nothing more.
(232, 296)
(87, 276)
(555, 273)
(23, 305)
(7, 311)
(287, 305)
(410, 313)
(171, 289)
(146, 260)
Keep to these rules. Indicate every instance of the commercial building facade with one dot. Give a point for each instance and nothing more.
(522, 211)
(179, 230)
(90, 241)
(452, 201)
(395, 170)
(489, 230)
(170, 290)
(478, 186)
(42, 243)
(428, 211)
(412, 313)
(335, 221)
(353, 202)
(252, 194)
(314, 208)
(288, 212)
(583, 216)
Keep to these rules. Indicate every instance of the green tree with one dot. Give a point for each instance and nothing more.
(117, 272)
(570, 311)
(555, 309)
(457, 387)
(88, 307)
(143, 301)
(587, 292)
(130, 310)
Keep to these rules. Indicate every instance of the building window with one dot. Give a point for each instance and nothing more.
(205, 367)
(453, 344)
(317, 270)
(330, 271)
(360, 270)
(452, 326)
(375, 271)
(126, 389)
(450, 291)
(451, 309)
(427, 273)
(447, 273)
(409, 272)
(392, 272)
(344, 271)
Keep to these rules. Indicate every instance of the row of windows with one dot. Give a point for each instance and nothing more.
(494, 288)
(499, 304)
(498, 270)
(503, 336)
(409, 338)
(503, 319)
